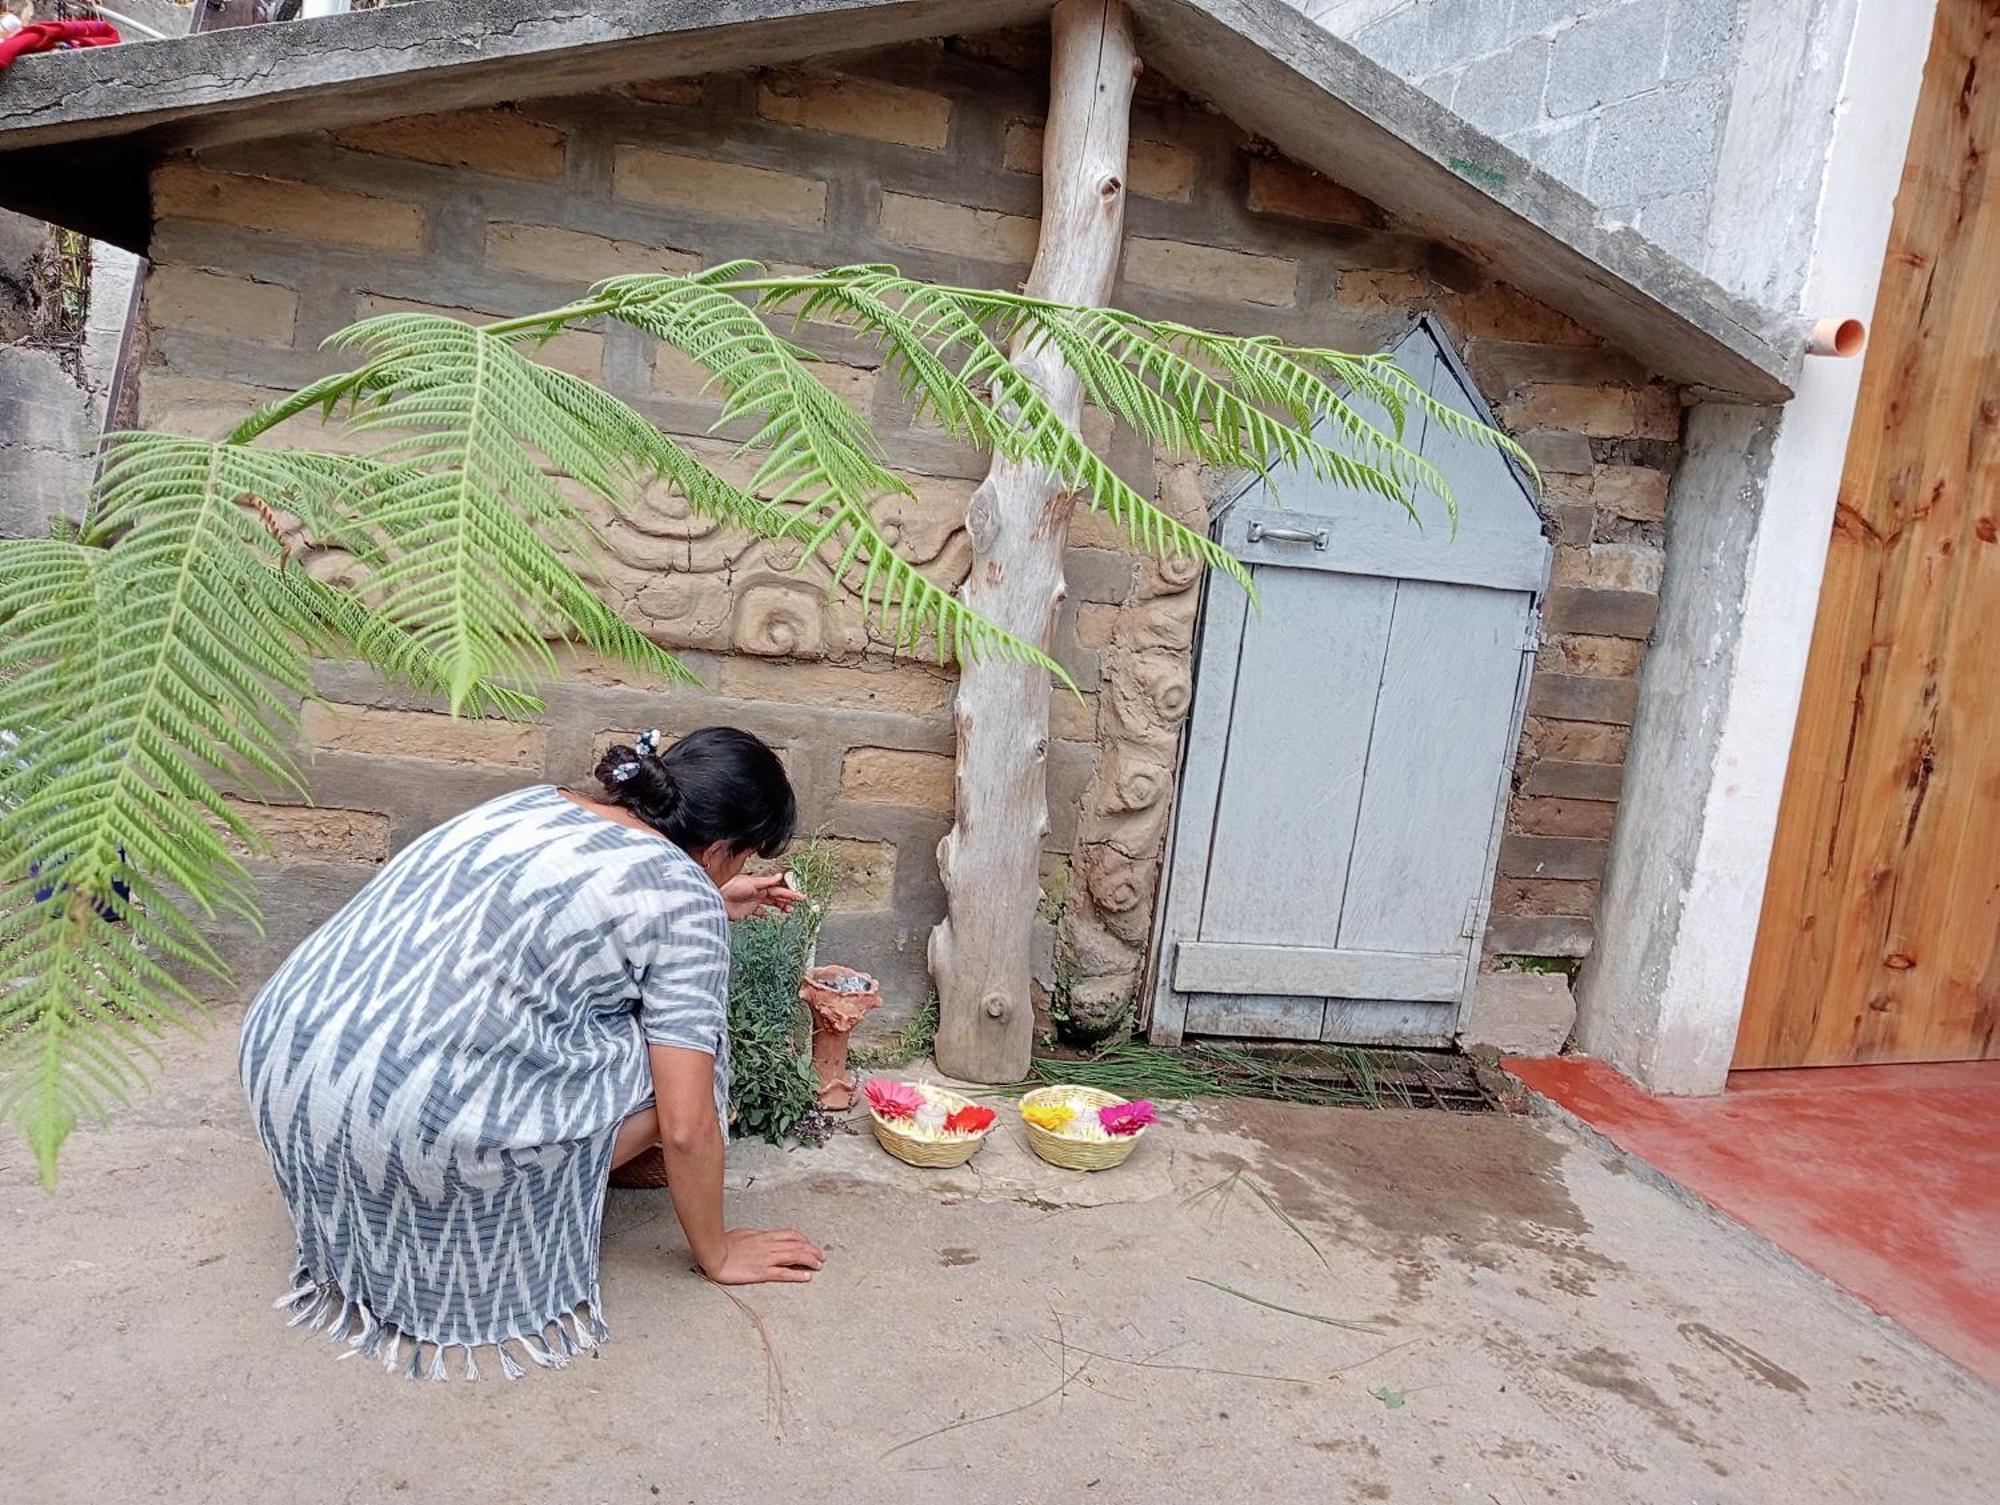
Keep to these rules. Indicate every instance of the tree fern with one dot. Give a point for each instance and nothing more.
(475, 527)
(820, 458)
(155, 663)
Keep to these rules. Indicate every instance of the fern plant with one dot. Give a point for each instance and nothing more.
(152, 663)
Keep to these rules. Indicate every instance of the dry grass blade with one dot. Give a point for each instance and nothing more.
(1286, 1218)
(1220, 1190)
(973, 1421)
(1379, 1353)
(777, 1399)
(1150, 1362)
(1289, 1311)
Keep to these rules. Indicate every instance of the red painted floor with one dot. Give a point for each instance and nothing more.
(1884, 1179)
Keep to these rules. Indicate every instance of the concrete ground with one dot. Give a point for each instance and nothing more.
(1532, 1320)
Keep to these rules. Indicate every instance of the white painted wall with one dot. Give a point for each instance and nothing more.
(1662, 996)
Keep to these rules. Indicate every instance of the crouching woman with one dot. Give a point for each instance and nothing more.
(445, 1073)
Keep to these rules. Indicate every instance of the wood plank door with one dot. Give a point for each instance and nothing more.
(1880, 934)
(1348, 749)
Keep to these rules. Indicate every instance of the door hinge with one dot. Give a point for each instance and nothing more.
(1531, 635)
(1471, 925)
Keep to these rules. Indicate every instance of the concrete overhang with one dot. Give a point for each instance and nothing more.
(80, 131)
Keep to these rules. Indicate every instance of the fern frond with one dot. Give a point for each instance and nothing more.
(1234, 402)
(658, 457)
(477, 535)
(350, 630)
(129, 676)
(820, 458)
(925, 329)
(1395, 379)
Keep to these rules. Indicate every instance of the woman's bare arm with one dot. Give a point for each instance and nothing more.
(691, 1141)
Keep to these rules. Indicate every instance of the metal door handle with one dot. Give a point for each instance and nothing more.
(1315, 536)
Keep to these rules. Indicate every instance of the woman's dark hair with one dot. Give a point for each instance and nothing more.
(717, 784)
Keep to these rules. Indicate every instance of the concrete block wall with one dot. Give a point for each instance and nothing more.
(1625, 100)
(50, 421)
(928, 158)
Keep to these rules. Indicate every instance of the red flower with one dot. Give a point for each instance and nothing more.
(971, 1119)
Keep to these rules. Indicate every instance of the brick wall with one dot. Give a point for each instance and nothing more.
(927, 158)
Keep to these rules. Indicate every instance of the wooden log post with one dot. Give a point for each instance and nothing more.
(1019, 523)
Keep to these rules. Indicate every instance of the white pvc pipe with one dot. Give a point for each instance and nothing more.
(313, 8)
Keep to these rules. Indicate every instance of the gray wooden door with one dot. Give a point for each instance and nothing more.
(1347, 757)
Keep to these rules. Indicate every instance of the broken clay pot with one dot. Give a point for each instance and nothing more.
(838, 998)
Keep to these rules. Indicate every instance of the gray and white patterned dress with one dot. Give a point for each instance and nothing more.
(439, 1070)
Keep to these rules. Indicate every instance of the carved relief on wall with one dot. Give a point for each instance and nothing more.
(1147, 691)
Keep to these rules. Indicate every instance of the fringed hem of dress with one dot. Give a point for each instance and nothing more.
(321, 1306)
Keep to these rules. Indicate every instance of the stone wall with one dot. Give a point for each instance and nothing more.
(50, 422)
(1625, 100)
(928, 158)
(1707, 124)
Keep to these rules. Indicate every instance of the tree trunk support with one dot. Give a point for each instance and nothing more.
(1019, 521)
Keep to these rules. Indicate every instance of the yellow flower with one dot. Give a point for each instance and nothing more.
(1048, 1115)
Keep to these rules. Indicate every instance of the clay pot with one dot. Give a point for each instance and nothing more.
(834, 1015)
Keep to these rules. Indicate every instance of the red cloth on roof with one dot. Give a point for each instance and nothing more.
(47, 36)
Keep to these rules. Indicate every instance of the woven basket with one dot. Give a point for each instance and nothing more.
(933, 1154)
(1077, 1154)
(645, 1171)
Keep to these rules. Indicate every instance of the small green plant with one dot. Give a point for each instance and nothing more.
(773, 1093)
(915, 1041)
(1559, 966)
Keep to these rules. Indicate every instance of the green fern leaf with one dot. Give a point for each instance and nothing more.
(477, 533)
(1016, 421)
(820, 458)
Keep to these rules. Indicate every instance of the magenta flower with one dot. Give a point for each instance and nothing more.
(1126, 1118)
(893, 1099)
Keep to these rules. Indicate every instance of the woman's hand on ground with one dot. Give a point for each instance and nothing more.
(751, 1256)
(743, 895)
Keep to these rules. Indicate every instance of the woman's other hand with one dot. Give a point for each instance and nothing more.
(744, 896)
(752, 1256)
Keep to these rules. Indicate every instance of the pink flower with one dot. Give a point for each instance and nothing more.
(1126, 1118)
(893, 1099)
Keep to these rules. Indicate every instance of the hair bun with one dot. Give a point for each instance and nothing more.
(638, 779)
(717, 783)
(619, 765)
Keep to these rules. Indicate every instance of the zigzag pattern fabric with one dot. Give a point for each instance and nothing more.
(439, 1071)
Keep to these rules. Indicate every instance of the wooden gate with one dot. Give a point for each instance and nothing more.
(1346, 761)
(1880, 936)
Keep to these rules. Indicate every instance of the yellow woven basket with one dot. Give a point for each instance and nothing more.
(933, 1154)
(1069, 1152)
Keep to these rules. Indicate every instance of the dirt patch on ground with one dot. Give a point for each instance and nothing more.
(1744, 1357)
(1417, 1187)
(1617, 1374)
